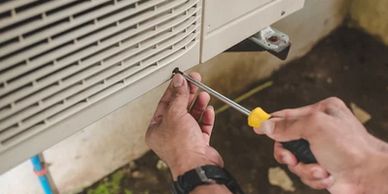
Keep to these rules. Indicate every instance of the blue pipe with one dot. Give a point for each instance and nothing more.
(39, 170)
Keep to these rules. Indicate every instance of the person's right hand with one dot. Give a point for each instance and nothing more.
(350, 160)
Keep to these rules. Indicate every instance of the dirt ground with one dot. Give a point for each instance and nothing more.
(348, 64)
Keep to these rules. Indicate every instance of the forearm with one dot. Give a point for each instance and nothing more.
(213, 189)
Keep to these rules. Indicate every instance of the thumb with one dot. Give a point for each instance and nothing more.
(180, 98)
(282, 129)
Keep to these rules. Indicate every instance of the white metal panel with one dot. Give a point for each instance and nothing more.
(65, 64)
(238, 26)
(223, 11)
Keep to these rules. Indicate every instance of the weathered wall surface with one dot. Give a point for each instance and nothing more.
(372, 16)
(232, 72)
(119, 138)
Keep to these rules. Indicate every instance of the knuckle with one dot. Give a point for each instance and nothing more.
(316, 117)
(332, 105)
(310, 173)
(173, 111)
(334, 101)
(198, 110)
(317, 120)
(303, 173)
(287, 113)
(181, 92)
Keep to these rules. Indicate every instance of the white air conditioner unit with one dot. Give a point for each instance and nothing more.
(65, 64)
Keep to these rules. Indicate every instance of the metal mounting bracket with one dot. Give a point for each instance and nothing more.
(269, 39)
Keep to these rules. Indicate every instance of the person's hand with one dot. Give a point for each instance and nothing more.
(179, 136)
(350, 160)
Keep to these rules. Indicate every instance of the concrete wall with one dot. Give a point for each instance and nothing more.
(372, 16)
(119, 138)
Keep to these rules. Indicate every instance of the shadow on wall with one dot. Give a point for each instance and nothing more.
(371, 16)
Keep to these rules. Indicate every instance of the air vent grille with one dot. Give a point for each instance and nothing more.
(58, 57)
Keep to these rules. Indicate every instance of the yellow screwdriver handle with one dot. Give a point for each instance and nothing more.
(300, 148)
(257, 116)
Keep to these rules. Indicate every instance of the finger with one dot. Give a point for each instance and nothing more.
(164, 103)
(287, 129)
(266, 126)
(192, 88)
(287, 114)
(283, 156)
(319, 184)
(309, 171)
(295, 112)
(180, 98)
(200, 105)
(207, 123)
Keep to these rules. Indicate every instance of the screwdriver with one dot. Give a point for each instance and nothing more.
(300, 148)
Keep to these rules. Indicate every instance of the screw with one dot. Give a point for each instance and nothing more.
(273, 39)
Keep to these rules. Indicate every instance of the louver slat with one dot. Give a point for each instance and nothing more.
(53, 79)
(55, 18)
(80, 44)
(38, 55)
(79, 77)
(106, 47)
(41, 10)
(32, 37)
(75, 58)
(8, 6)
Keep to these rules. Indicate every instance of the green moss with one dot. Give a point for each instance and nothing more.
(126, 191)
(100, 189)
(111, 186)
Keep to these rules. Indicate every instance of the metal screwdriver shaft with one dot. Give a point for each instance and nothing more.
(215, 93)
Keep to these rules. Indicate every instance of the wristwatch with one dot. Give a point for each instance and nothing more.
(205, 175)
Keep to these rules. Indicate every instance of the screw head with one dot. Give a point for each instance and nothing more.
(273, 39)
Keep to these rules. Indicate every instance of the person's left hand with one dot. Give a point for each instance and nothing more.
(179, 136)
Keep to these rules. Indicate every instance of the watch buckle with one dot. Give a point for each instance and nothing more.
(202, 175)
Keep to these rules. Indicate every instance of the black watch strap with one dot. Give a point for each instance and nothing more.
(205, 175)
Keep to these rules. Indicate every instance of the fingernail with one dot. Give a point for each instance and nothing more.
(211, 107)
(177, 80)
(267, 127)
